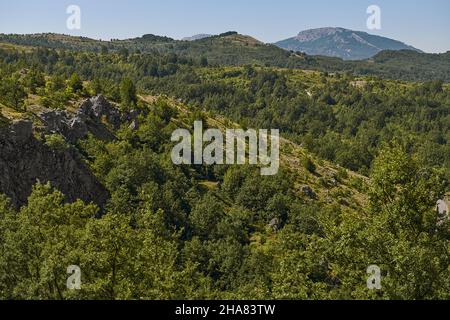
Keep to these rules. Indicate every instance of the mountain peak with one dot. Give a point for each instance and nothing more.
(314, 34)
(342, 43)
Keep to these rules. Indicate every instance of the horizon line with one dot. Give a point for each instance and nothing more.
(211, 35)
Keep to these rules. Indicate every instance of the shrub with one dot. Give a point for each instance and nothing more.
(56, 142)
(309, 165)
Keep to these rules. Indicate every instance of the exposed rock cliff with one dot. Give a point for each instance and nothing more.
(96, 116)
(24, 159)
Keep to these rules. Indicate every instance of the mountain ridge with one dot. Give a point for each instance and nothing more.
(342, 43)
(234, 49)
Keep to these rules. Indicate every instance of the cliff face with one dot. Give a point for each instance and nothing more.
(342, 43)
(25, 160)
(96, 116)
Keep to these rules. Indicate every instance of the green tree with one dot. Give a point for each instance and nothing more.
(12, 92)
(401, 234)
(159, 275)
(128, 93)
(75, 83)
(8, 249)
(107, 266)
(34, 80)
(309, 165)
(205, 216)
(203, 61)
(40, 242)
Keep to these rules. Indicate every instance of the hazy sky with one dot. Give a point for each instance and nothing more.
(424, 24)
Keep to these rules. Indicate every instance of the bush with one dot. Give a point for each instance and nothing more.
(309, 165)
(56, 142)
(342, 175)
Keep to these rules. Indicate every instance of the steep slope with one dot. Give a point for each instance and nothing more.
(25, 160)
(342, 43)
(329, 185)
(28, 155)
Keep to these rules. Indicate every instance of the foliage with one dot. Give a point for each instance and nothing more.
(56, 142)
(128, 93)
(224, 232)
(12, 93)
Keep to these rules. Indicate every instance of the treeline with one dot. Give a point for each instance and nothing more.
(232, 49)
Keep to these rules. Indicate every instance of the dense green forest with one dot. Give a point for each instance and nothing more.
(340, 117)
(199, 232)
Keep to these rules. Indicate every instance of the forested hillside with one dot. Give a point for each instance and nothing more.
(364, 160)
(339, 117)
(233, 49)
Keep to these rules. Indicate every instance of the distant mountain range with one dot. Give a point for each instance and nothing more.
(341, 43)
(234, 49)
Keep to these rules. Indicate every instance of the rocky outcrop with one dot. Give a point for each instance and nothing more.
(24, 160)
(309, 192)
(21, 131)
(96, 116)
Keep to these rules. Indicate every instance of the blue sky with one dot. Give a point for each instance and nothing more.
(424, 24)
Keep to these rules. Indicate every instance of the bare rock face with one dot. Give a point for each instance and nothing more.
(97, 108)
(24, 160)
(96, 116)
(21, 131)
(274, 224)
(342, 43)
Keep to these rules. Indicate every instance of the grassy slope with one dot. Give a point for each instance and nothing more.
(348, 193)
